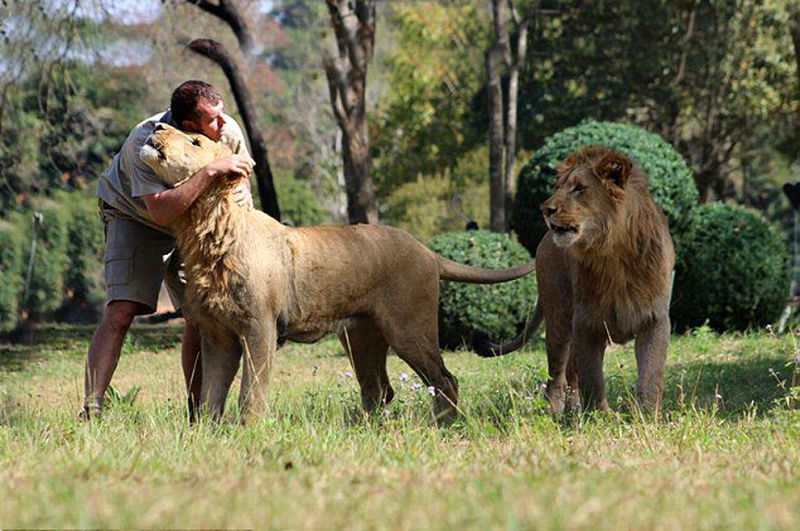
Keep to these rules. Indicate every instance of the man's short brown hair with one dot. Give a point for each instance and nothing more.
(188, 96)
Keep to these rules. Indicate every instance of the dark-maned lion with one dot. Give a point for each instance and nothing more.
(253, 283)
(604, 271)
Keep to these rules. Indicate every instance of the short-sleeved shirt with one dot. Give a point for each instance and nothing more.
(123, 185)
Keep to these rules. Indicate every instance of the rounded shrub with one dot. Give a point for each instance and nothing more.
(498, 310)
(671, 182)
(731, 271)
(11, 264)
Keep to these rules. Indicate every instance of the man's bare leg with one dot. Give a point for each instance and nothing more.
(104, 353)
(192, 366)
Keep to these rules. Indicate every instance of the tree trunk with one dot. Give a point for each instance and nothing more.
(266, 189)
(795, 30)
(499, 53)
(511, 123)
(497, 191)
(354, 27)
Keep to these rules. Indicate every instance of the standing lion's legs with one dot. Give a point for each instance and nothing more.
(573, 401)
(588, 349)
(220, 359)
(651, 356)
(192, 366)
(367, 348)
(258, 349)
(421, 352)
(557, 359)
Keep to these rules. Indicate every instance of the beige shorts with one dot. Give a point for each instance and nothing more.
(137, 259)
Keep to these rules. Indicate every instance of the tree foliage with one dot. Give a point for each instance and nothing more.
(425, 122)
(704, 75)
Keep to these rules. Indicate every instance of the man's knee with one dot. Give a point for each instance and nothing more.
(119, 314)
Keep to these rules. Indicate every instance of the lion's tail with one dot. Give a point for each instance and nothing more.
(484, 347)
(449, 270)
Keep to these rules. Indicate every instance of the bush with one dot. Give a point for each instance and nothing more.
(732, 270)
(671, 180)
(498, 310)
(299, 207)
(11, 278)
(434, 205)
(46, 289)
(84, 291)
(445, 202)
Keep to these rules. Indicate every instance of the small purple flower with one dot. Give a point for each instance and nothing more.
(416, 386)
(431, 390)
(347, 374)
(404, 377)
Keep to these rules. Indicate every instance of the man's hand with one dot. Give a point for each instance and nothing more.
(235, 166)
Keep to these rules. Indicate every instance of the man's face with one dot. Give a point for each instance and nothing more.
(209, 120)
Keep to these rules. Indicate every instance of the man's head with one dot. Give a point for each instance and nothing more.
(197, 108)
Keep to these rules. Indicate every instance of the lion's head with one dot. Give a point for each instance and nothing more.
(175, 156)
(591, 187)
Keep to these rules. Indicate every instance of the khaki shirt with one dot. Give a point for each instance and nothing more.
(123, 185)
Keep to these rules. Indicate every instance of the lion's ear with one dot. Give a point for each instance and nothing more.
(569, 163)
(614, 168)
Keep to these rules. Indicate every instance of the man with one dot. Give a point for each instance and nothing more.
(136, 209)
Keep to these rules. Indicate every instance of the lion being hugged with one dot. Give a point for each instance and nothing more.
(604, 270)
(253, 283)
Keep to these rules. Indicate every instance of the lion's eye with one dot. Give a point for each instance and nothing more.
(577, 189)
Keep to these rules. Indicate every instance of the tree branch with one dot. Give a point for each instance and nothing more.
(228, 12)
(216, 52)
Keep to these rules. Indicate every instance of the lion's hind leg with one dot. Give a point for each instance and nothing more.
(418, 345)
(651, 356)
(366, 346)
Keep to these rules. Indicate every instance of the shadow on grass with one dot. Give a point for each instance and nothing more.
(734, 387)
(49, 339)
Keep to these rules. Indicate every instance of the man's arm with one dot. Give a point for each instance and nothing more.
(166, 206)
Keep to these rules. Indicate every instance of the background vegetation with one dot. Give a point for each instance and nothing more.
(717, 80)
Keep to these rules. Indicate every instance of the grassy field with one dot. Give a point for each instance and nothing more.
(725, 454)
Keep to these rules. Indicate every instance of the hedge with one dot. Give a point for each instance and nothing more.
(498, 310)
(671, 181)
(732, 270)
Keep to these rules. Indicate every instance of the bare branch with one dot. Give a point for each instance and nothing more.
(228, 12)
(216, 52)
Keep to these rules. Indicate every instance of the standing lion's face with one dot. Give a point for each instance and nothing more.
(590, 187)
(175, 156)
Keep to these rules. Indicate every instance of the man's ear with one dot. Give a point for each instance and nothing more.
(613, 169)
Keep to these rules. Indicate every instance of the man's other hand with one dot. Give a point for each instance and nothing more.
(242, 196)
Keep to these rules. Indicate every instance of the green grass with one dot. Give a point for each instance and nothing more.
(725, 454)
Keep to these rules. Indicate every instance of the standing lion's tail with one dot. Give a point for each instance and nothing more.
(484, 347)
(449, 270)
